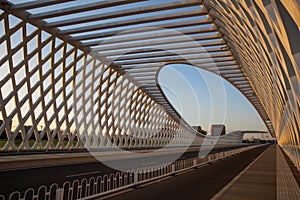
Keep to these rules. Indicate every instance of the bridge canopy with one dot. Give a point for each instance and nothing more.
(77, 73)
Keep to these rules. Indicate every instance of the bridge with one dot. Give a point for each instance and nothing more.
(81, 77)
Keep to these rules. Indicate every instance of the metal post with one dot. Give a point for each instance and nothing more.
(135, 177)
(173, 168)
(59, 194)
(194, 162)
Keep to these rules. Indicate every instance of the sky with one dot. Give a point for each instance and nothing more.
(200, 97)
(203, 98)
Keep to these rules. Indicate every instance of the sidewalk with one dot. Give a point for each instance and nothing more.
(267, 177)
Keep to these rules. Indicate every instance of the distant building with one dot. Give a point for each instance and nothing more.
(217, 129)
(200, 130)
(197, 128)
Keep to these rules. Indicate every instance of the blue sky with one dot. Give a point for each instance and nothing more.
(202, 98)
(192, 91)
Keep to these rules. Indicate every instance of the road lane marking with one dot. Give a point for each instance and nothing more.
(82, 174)
(227, 187)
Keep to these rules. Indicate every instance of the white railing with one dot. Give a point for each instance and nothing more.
(103, 185)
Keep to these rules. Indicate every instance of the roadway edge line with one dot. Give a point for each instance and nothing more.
(221, 193)
(126, 188)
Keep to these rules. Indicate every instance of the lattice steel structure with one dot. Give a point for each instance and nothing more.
(102, 59)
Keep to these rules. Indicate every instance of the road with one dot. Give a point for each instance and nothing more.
(20, 180)
(202, 183)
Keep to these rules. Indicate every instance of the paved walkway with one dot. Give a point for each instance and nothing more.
(267, 177)
(257, 181)
(287, 187)
(202, 183)
(259, 174)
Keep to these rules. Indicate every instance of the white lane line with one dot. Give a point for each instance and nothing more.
(82, 174)
(222, 192)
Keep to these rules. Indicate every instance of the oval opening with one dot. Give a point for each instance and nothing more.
(203, 98)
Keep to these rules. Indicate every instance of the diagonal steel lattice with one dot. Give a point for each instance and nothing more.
(252, 44)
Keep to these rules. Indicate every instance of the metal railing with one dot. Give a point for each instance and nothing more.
(107, 184)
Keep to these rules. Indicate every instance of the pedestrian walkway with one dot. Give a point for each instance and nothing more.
(287, 187)
(267, 177)
(200, 183)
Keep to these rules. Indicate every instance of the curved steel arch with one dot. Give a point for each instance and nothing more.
(51, 47)
(264, 37)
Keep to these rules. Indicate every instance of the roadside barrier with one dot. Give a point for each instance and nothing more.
(107, 184)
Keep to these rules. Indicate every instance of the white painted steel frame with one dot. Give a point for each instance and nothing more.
(253, 44)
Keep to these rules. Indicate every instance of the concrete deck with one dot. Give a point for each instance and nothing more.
(201, 183)
(18, 162)
(267, 177)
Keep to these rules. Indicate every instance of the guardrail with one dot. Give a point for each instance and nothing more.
(107, 184)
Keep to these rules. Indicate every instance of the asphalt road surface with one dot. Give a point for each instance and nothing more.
(200, 184)
(20, 180)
